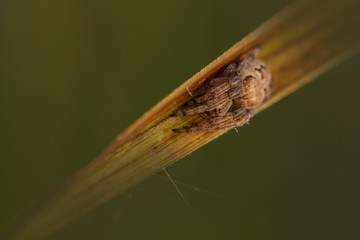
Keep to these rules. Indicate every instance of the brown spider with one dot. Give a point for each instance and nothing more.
(230, 98)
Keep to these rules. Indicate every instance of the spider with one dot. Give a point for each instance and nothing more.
(230, 98)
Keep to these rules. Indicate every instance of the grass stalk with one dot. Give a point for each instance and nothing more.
(301, 42)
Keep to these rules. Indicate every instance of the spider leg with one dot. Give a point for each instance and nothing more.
(215, 88)
(205, 116)
(233, 68)
(213, 82)
(190, 111)
(222, 109)
(218, 106)
(230, 69)
(218, 95)
(231, 119)
(249, 58)
(219, 86)
(237, 117)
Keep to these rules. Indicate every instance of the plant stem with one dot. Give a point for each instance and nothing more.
(301, 42)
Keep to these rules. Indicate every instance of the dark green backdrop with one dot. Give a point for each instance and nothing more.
(75, 73)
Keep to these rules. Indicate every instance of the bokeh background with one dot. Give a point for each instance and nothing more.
(75, 73)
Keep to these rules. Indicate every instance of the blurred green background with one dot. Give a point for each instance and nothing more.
(74, 74)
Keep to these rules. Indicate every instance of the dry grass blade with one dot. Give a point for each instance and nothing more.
(301, 42)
